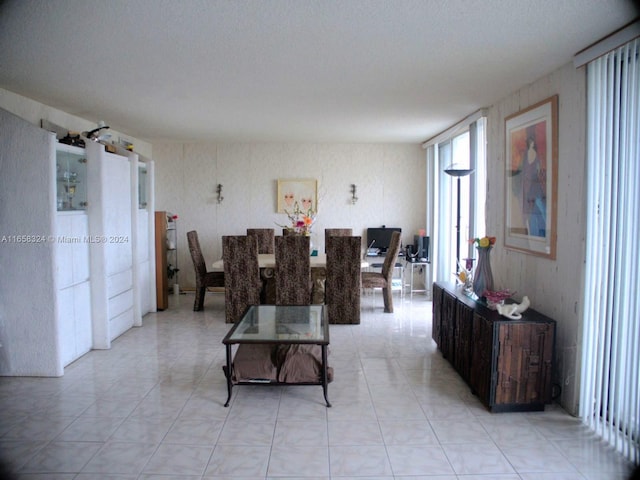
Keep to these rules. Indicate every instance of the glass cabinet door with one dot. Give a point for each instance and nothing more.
(71, 178)
(142, 186)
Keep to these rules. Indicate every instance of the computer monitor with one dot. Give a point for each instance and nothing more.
(380, 238)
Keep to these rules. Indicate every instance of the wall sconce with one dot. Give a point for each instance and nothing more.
(354, 198)
(219, 192)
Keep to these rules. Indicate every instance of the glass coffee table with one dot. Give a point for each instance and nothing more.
(263, 333)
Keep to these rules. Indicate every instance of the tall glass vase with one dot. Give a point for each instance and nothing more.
(310, 235)
(482, 277)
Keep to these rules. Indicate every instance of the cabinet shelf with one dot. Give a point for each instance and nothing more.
(71, 178)
(166, 257)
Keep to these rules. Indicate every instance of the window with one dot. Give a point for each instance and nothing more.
(460, 152)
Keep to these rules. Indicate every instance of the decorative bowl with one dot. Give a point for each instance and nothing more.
(497, 297)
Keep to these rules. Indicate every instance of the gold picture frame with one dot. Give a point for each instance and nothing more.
(304, 191)
(531, 176)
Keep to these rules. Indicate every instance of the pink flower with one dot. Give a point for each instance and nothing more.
(301, 221)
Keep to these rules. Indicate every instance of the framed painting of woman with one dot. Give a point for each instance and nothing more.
(531, 171)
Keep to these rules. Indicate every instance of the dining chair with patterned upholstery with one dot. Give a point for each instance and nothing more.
(204, 279)
(383, 279)
(336, 232)
(242, 284)
(293, 270)
(342, 287)
(265, 238)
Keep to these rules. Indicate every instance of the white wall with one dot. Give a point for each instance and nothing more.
(390, 183)
(553, 286)
(29, 342)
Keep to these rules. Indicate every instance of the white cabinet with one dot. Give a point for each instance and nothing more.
(110, 225)
(74, 314)
(72, 244)
(69, 229)
(144, 272)
(74, 291)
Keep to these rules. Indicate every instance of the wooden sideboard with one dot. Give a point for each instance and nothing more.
(507, 363)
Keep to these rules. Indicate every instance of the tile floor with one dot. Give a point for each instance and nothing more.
(151, 408)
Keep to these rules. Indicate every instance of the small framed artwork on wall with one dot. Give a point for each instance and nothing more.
(531, 170)
(303, 191)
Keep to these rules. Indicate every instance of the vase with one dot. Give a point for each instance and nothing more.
(310, 235)
(482, 277)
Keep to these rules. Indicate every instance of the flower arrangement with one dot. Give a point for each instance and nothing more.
(301, 221)
(483, 242)
(465, 274)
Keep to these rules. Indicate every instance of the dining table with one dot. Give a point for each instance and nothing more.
(268, 260)
(267, 265)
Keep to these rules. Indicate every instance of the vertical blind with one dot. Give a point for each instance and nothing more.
(610, 373)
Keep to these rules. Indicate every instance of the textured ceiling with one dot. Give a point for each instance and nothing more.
(289, 70)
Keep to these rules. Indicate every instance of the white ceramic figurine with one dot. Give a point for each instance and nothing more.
(514, 310)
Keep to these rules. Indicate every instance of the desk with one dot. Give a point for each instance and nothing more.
(277, 327)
